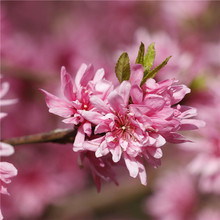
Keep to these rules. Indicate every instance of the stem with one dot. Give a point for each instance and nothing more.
(58, 136)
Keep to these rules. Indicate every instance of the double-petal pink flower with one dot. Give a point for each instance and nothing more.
(130, 122)
(77, 97)
(136, 121)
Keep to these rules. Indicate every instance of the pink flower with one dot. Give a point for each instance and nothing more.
(136, 131)
(174, 198)
(40, 185)
(77, 97)
(7, 170)
(206, 163)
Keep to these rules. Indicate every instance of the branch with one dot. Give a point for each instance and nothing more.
(56, 136)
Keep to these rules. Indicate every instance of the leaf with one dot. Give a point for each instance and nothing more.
(122, 68)
(153, 72)
(140, 57)
(149, 58)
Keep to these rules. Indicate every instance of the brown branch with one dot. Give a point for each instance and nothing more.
(58, 136)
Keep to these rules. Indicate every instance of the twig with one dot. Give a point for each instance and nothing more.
(58, 136)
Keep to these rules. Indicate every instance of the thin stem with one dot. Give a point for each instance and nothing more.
(58, 136)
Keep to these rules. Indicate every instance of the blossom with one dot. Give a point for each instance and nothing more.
(40, 185)
(77, 97)
(174, 197)
(206, 161)
(7, 170)
(137, 130)
(206, 164)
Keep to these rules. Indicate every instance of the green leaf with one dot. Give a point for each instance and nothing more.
(153, 72)
(122, 68)
(149, 58)
(140, 57)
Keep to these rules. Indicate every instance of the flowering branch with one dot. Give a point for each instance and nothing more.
(56, 136)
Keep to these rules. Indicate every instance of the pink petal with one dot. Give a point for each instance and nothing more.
(7, 170)
(93, 117)
(93, 145)
(136, 94)
(61, 111)
(191, 124)
(187, 111)
(136, 74)
(138, 110)
(76, 119)
(179, 91)
(4, 191)
(87, 128)
(99, 75)
(58, 106)
(154, 102)
(3, 114)
(175, 138)
(102, 150)
(160, 140)
(131, 165)
(99, 104)
(116, 153)
(103, 89)
(123, 144)
(6, 149)
(142, 173)
(124, 91)
(79, 139)
(67, 85)
(8, 102)
(87, 76)
(155, 152)
(4, 89)
(102, 127)
(79, 75)
(117, 102)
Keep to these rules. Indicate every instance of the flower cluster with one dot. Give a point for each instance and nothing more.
(7, 170)
(128, 123)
